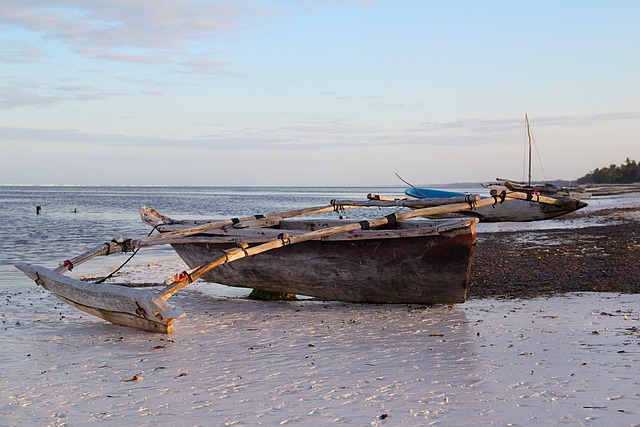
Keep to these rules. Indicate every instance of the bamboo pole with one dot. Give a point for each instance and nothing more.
(538, 198)
(381, 201)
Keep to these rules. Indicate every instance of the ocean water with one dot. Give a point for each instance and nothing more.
(73, 219)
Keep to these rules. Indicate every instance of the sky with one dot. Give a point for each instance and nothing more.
(315, 93)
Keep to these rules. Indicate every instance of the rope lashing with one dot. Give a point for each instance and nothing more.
(125, 245)
(286, 239)
(39, 280)
(498, 197)
(392, 221)
(244, 245)
(226, 256)
(469, 201)
(336, 206)
(533, 193)
(182, 277)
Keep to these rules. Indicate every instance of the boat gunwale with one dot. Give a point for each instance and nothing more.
(405, 229)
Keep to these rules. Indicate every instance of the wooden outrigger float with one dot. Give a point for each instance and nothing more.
(132, 307)
(240, 238)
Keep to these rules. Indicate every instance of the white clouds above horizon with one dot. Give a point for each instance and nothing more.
(316, 135)
(161, 25)
(374, 79)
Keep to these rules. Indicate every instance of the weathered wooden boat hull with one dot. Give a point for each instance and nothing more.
(389, 266)
(510, 211)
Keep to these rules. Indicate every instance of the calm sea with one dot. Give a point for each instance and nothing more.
(73, 219)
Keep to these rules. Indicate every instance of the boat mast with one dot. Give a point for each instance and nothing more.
(526, 118)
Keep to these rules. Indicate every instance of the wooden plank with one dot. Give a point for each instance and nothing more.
(258, 235)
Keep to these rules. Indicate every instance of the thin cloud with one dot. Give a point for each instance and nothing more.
(18, 134)
(210, 67)
(17, 52)
(11, 97)
(151, 92)
(483, 126)
(342, 96)
(140, 24)
(139, 57)
(135, 31)
(21, 94)
(597, 119)
(315, 134)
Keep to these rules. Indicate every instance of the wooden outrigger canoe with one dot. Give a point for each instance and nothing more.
(432, 253)
(417, 261)
(531, 207)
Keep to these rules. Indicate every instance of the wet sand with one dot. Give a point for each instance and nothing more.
(511, 355)
(564, 360)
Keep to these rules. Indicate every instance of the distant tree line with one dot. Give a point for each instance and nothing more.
(626, 173)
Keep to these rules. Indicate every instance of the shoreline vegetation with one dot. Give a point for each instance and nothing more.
(626, 173)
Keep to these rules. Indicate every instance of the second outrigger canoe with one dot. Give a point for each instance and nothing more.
(536, 207)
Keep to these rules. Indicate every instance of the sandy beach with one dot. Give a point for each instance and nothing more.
(533, 345)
